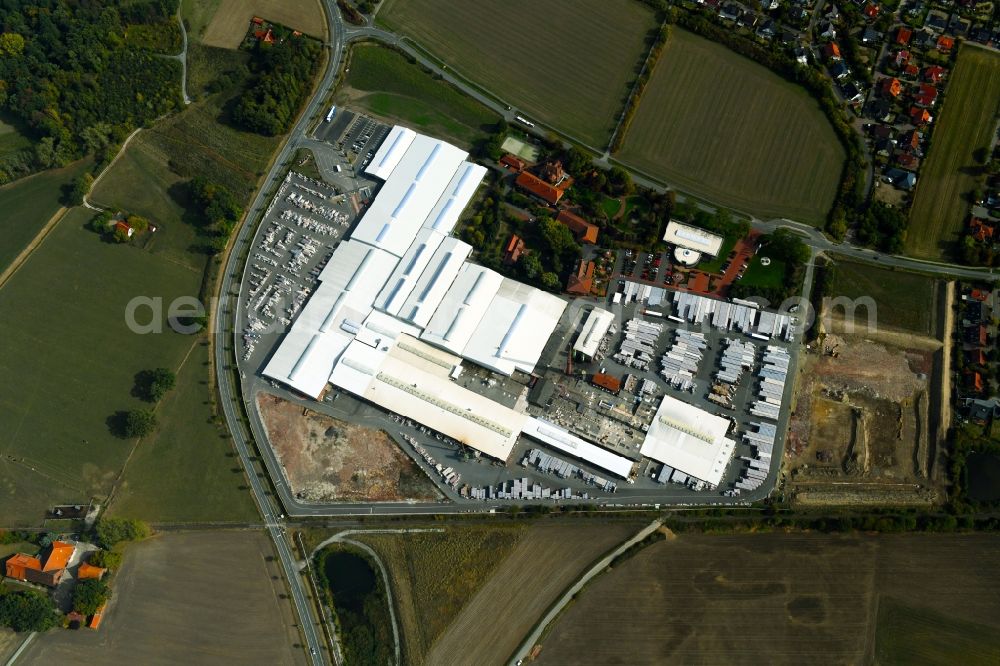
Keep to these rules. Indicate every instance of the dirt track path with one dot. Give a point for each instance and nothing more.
(21, 258)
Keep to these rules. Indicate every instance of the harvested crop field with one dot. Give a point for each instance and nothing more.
(570, 65)
(966, 124)
(190, 598)
(326, 459)
(724, 128)
(232, 19)
(904, 301)
(782, 599)
(434, 574)
(546, 561)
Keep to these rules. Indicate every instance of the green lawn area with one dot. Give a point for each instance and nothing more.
(386, 84)
(29, 203)
(903, 300)
(909, 635)
(966, 124)
(187, 471)
(12, 137)
(611, 206)
(758, 275)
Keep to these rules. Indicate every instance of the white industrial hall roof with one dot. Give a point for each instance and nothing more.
(462, 308)
(410, 193)
(515, 328)
(595, 327)
(689, 439)
(562, 440)
(692, 238)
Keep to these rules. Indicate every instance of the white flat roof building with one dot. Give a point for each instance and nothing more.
(455, 198)
(564, 441)
(515, 328)
(434, 281)
(390, 152)
(689, 439)
(409, 194)
(462, 308)
(594, 329)
(693, 238)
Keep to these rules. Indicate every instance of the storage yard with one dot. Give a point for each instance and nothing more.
(360, 299)
(786, 598)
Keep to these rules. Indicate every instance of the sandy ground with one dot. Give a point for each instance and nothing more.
(330, 460)
(188, 598)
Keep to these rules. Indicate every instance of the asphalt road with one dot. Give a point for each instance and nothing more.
(225, 340)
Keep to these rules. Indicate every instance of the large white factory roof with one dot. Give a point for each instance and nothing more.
(455, 198)
(594, 329)
(349, 284)
(409, 269)
(391, 152)
(689, 439)
(693, 238)
(434, 282)
(462, 308)
(411, 191)
(411, 378)
(560, 439)
(515, 328)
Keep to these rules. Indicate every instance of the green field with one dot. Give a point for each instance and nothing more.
(570, 64)
(385, 83)
(187, 471)
(966, 124)
(903, 300)
(908, 635)
(12, 139)
(67, 343)
(724, 128)
(28, 204)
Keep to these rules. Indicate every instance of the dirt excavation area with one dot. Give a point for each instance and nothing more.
(328, 460)
(866, 425)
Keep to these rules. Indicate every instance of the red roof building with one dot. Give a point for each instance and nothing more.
(512, 162)
(903, 36)
(609, 383)
(532, 184)
(87, 570)
(935, 73)
(256, 20)
(515, 246)
(123, 226)
(581, 282)
(979, 295)
(48, 572)
(977, 381)
(871, 10)
(584, 231)
(890, 87)
(926, 95)
(981, 231)
(831, 51)
(945, 44)
(919, 116)
(902, 58)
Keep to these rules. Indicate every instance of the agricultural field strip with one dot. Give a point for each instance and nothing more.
(571, 66)
(739, 135)
(966, 122)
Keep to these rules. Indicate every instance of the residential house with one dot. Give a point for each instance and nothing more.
(934, 73)
(905, 180)
(945, 44)
(43, 571)
(919, 117)
(729, 12)
(581, 282)
(890, 87)
(87, 570)
(982, 411)
(980, 230)
(801, 56)
(871, 11)
(936, 21)
(839, 70)
(911, 71)
(827, 30)
(584, 231)
(512, 162)
(870, 37)
(513, 250)
(124, 227)
(926, 95)
(908, 161)
(766, 30)
(537, 187)
(831, 52)
(901, 58)
(903, 36)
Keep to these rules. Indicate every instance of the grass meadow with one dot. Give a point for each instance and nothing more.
(27, 204)
(570, 64)
(965, 125)
(722, 127)
(904, 301)
(383, 82)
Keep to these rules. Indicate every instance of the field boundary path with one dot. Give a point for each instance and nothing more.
(558, 606)
(26, 253)
(121, 151)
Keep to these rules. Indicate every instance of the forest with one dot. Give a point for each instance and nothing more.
(78, 84)
(282, 73)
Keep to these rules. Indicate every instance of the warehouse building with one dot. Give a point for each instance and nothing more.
(690, 440)
(692, 238)
(596, 326)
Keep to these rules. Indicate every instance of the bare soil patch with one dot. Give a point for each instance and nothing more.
(326, 459)
(861, 431)
(232, 19)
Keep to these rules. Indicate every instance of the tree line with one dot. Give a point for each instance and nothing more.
(281, 77)
(71, 76)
